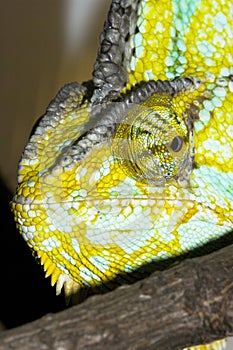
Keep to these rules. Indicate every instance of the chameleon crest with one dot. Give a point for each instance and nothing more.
(135, 166)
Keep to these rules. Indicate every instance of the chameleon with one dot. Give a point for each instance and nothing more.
(135, 166)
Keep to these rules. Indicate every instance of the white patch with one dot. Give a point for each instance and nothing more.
(225, 72)
(217, 102)
(205, 48)
(75, 245)
(170, 75)
(165, 231)
(95, 176)
(179, 24)
(50, 243)
(105, 168)
(231, 86)
(68, 257)
(82, 172)
(204, 118)
(219, 188)
(133, 63)
(75, 194)
(149, 74)
(54, 207)
(182, 59)
(128, 248)
(61, 267)
(220, 92)
(116, 221)
(147, 257)
(226, 150)
(229, 131)
(208, 105)
(198, 126)
(169, 61)
(133, 240)
(87, 275)
(139, 51)
(219, 41)
(99, 262)
(32, 214)
(209, 62)
(200, 229)
(129, 268)
(158, 28)
(166, 223)
(126, 188)
(60, 219)
(120, 230)
(212, 145)
(180, 69)
(162, 255)
(26, 235)
(220, 22)
(60, 282)
(145, 8)
(32, 229)
(33, 161)
(66, 143)
(181, 45)
(30, 234)
(147, 212)
(41, 172)
(66, 206)
(83, 192)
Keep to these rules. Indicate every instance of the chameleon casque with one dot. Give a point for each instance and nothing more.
(135, 166)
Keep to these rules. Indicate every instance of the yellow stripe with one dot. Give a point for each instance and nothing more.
(174, 41)
(149, 60)
(209, 39)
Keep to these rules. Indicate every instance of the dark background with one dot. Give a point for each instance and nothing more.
(44, 44)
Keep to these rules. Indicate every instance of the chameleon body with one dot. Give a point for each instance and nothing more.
(135, 166)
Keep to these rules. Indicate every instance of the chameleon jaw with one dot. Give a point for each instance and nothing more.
(59, 278)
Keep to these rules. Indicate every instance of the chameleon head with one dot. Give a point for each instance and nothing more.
(152, 141)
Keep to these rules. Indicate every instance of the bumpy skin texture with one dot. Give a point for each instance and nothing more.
(120, 173)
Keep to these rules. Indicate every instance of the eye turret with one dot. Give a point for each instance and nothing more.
(152, 141)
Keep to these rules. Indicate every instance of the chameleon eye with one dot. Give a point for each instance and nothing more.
(177, 144)
(152, 142)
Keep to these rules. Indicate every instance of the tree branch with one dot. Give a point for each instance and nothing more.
(190, 303)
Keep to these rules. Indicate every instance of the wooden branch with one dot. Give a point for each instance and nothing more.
(190, 303)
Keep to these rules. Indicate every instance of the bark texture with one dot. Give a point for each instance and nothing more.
(190, 303)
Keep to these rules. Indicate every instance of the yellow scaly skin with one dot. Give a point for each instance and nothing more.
(217, 345)
(116, 209)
